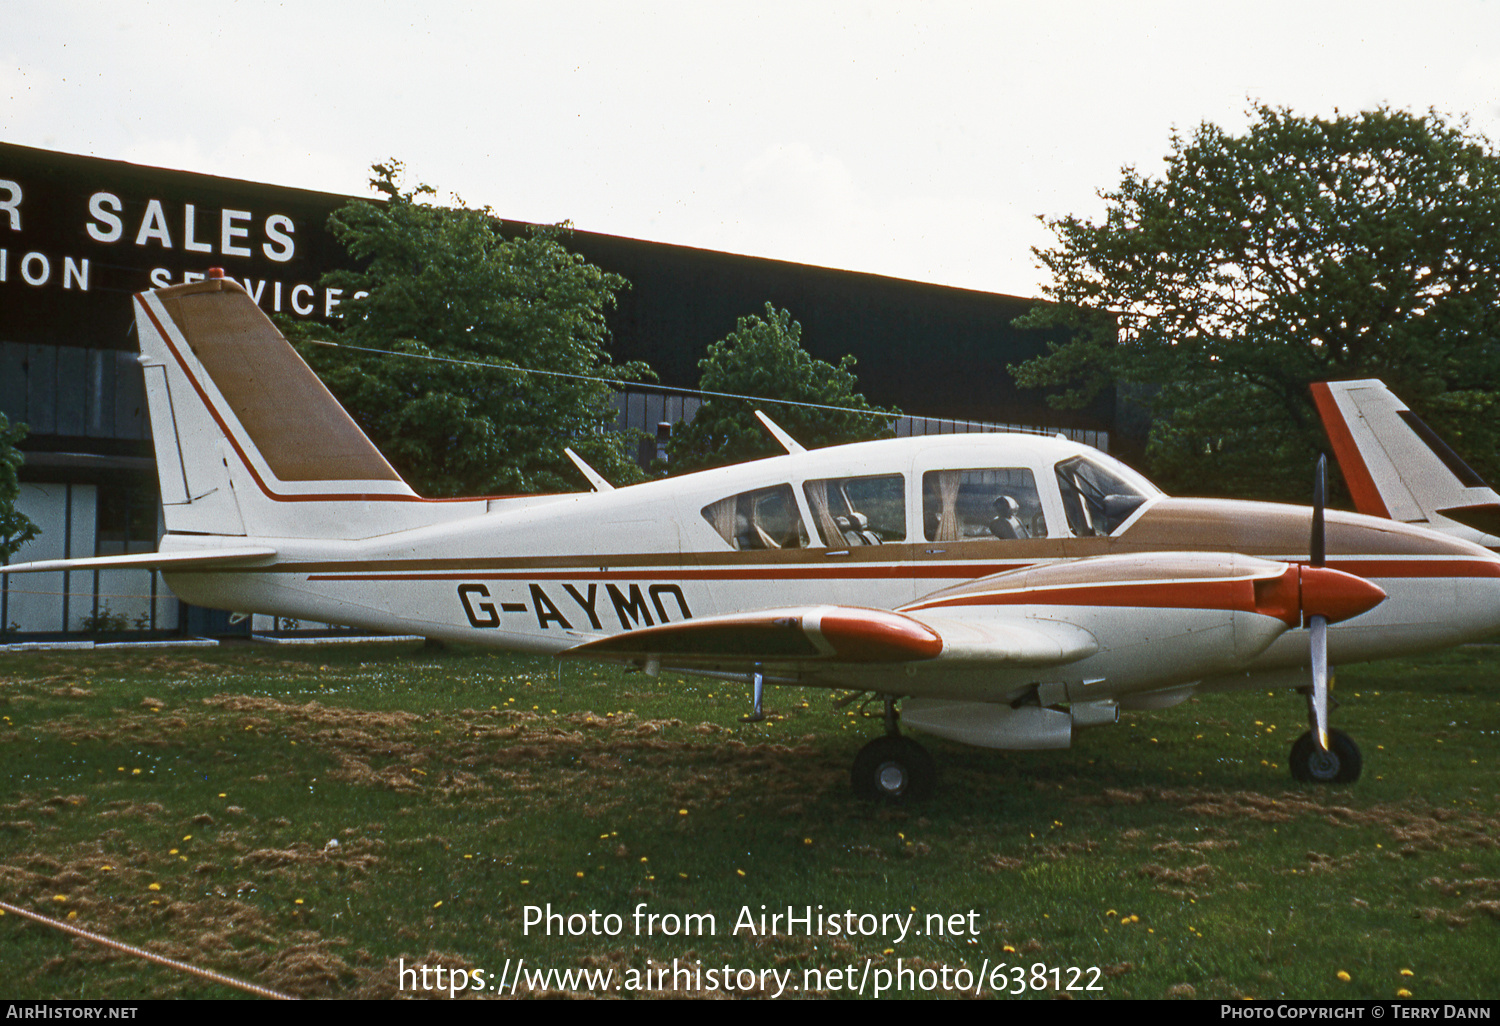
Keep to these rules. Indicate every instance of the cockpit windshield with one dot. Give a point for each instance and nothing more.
(1097, 500)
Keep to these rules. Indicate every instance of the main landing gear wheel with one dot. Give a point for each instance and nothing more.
(1341, 764)
(895, 770)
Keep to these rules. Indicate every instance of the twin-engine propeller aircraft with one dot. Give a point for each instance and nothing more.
(1397, 467)
(1007, 589)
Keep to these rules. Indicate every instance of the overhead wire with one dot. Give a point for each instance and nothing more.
(616, 382)
(624, 385)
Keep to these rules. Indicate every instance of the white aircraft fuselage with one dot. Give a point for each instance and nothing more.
(551, 573)
(1009, 588)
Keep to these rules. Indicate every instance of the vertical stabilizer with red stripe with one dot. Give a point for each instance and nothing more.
(1398, 468)
(248, 440)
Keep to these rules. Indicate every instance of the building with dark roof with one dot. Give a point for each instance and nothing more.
(80, 235)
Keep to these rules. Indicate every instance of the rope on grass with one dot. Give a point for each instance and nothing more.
(130, 949)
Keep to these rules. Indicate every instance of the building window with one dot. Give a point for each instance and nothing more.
(127, 520)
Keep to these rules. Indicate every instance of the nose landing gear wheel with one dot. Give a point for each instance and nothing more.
(894, 770)
(1341, 764)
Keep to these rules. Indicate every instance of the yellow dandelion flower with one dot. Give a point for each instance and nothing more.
(580, 874)
(297, 902)
(438, 905)
(1407, 972)
(1403, 992)
(1344, 976)
(741, 872)
(73, 914)
(153, 887)
(59, 897)
(682, 812)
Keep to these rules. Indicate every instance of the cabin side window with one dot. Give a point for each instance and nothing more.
(858, 510)
(763, 519)
(967, 505)
(1097, 501)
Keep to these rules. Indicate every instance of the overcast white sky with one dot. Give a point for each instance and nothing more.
(914, 140)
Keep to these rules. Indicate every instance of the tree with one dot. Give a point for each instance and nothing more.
(763, 358)
(1306, 249)
(442, 284)
(16, 529)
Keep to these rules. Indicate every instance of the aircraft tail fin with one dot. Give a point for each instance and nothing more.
(248, 440)
(1396, 466)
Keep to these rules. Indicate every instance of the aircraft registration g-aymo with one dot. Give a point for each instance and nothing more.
(1397, 467)
(1007, 590)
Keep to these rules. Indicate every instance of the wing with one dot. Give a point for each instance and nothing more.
(1157, 619)
(843, 634)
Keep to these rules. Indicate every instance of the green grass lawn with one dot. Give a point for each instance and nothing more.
(313, 821)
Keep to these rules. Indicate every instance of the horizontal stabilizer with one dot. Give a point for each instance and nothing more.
(203, 560)
(846, 634)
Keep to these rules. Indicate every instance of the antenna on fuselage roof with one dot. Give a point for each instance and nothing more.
(788, 443)
(595, 478)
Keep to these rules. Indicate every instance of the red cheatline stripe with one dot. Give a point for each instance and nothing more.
(1238, 595)
(1377, 567)
(1356, 474)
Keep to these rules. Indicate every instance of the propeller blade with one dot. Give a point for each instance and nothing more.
(1317, 547)
(1319, 638)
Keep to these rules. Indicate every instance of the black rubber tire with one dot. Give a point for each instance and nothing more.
(1341, 764)
(894, 770)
